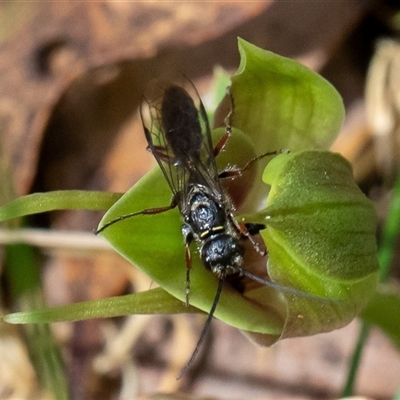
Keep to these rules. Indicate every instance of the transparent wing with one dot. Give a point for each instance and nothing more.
(179, 136)
(176, 176)
(207, 167)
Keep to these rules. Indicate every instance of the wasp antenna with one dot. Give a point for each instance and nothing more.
(272, 284)
(289, 290)
(204, 332)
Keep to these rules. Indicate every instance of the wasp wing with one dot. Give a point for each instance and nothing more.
(179, 136)
(157, 144)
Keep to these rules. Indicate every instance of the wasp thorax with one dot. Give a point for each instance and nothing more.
(203, 215)
(223, 255)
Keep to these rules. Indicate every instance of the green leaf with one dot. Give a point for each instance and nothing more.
(155, 301)
(281, 104)
(321, 239)
(58, 200)
(384, 311)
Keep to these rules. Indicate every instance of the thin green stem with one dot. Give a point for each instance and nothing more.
(348, 389)
(390, 234)
(385, 257)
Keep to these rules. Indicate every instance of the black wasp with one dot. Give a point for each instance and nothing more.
(180, 140)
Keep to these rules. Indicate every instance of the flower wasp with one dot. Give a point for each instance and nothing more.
(179, 137)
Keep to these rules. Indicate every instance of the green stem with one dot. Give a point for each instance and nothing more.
(23, 279)
(348, 389)
(385, 257)
(390, 233)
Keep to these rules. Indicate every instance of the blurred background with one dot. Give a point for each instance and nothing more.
(71, 79)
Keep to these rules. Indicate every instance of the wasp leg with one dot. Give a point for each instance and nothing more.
(147, 211)
(161, 153)
(254, 229)
(236, 172)
(188, 238)
(158, 151)
(228, 127)
(248, 230)
(223, 141)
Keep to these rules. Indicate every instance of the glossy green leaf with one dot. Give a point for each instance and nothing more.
(282, 104)
(321, 239)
